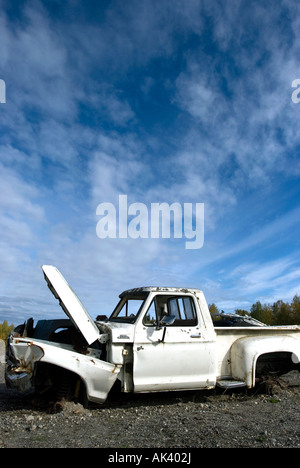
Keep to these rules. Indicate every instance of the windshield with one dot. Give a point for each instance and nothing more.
(128, 309)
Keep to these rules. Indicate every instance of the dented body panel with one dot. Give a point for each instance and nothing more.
(98, 376)
(156, 339)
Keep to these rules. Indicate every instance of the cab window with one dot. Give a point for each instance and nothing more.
(128, 309)
(182, 307)
(151, 316)
(184, 310)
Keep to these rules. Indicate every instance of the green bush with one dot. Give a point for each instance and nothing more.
(5, 330)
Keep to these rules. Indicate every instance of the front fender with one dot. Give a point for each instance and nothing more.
(246, 351)
(98, 376)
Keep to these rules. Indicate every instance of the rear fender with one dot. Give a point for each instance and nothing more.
(246, 351)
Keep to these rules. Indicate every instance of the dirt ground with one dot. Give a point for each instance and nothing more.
(180, 420)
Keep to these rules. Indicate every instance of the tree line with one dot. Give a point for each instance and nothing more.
(278, 313)
(5, 330)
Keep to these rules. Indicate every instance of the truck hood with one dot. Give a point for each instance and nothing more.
(70, 303)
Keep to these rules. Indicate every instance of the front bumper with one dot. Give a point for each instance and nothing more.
(20, 360)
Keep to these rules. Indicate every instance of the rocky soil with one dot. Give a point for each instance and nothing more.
(182, 420)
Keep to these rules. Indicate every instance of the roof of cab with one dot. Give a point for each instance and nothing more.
(148, 289)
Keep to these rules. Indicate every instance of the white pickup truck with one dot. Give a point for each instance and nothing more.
(156, 339)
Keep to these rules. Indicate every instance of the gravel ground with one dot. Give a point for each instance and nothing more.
(181, 420)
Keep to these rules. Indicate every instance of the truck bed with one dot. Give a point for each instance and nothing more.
(231, 332)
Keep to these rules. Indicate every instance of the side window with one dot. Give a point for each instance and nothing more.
(182, 307)
(184, 310)
(189, 308)
(150, 316)
(174, 308)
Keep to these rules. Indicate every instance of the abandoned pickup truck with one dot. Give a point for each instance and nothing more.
(156, 339)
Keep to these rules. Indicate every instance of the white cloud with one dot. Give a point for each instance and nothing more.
(268, 282)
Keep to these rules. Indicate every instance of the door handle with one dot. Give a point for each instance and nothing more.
(196, 336)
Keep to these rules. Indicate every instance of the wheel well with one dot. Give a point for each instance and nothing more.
(276, 363)
(61, 383)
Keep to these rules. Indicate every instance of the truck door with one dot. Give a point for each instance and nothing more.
(180, 356)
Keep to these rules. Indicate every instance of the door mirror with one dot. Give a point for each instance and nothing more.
(165, 321)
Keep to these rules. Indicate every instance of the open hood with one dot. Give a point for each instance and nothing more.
(70, 303)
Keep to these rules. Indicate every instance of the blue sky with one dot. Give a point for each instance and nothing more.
(164, 101)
